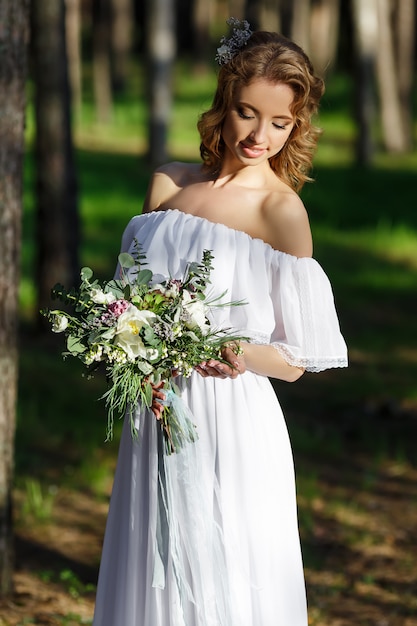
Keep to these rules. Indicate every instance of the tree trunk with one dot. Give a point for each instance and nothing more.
(161, 56)
(405, 42)
(365, 27)
(324, 34)
(392, 125)
(264, 14)
(202, 14)
(101, 60)
(300, 24)
(14, 17)
(121, 34)
(236, 8)
(73, 35)
(57, 215)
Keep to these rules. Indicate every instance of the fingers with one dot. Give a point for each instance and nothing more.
(218, 369)
(158, 394)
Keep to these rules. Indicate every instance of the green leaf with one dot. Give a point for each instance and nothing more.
(126, 292)
(75, 346)
(150, 338)
(147, 394)
(144, 367)
(126, 260)
(115, 288)
(143, 277)
(86, 273)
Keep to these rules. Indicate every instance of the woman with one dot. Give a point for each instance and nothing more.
(234, 557)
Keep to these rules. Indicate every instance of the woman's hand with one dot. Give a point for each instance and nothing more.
(157, 407)
(235, 364)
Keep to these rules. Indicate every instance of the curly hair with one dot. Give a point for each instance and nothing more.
(274, 58)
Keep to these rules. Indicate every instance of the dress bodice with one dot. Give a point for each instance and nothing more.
(288, 301)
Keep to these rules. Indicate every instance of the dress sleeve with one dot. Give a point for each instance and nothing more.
(307, 331)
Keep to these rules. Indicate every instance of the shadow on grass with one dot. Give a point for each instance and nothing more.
(33, 555)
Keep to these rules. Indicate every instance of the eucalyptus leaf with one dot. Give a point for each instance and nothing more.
(144, 367)
(150, 337)
(86, 273)
(126, 260)
(143, 277)
(74, 345)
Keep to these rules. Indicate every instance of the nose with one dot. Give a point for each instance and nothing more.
(258, 133)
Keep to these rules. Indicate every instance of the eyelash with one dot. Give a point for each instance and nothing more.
(250, 117)
(243, 116)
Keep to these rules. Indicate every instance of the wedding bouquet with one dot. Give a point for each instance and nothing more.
(145, 332)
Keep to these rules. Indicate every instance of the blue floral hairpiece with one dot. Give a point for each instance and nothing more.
(230, 46)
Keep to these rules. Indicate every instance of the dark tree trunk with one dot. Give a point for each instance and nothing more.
(121, 34)
(73, 33)
(161, 56)
(236, 8)
(264, 14)
(14, 18)
(405, 44)
(101, 60)
(365, 28)
(57, 214)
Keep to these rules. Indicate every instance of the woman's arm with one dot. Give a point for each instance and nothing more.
(260, 359)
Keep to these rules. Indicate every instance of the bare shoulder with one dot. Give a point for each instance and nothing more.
(167, 180)
(287, 223)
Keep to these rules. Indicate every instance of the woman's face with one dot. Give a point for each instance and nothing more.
(259, 122)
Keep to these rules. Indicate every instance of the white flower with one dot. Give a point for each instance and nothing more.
(129, 325)
(196, 311)
(59, 323)
(152, 354)
(170, 292)
(99, 297)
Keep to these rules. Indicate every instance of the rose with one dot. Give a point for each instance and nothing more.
(60, 322)
(196, 313)
(99, 297)
(129, 325)
(118, 307)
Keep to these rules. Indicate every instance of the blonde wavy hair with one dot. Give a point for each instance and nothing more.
(274, 58)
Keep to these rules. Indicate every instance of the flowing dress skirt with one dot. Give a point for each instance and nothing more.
(253, 575)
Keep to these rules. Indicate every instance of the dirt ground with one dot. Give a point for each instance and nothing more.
(362, 566)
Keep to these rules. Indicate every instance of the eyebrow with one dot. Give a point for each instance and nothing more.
(250, 106)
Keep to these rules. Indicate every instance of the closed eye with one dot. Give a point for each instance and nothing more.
(244, 115)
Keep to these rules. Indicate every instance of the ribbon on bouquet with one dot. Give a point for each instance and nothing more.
(187, 537)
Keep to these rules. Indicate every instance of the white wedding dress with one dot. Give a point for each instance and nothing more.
(234, 556)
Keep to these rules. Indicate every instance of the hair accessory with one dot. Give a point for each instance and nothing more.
(230, 46)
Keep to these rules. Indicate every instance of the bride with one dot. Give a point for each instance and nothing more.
(222, 548)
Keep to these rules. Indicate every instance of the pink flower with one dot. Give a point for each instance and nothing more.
(118, 307)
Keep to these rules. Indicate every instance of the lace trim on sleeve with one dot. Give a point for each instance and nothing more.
(312, 364)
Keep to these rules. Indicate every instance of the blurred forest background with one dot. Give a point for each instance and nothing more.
(108, 90)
